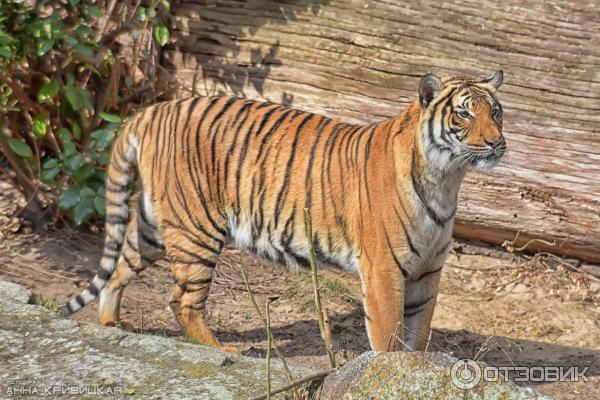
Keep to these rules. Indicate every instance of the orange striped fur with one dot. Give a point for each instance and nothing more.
(382, 198)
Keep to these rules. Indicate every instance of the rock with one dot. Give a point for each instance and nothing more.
(41, 353)
(12, 291)
(411, 375)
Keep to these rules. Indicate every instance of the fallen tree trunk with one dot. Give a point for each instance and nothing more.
(361, 62)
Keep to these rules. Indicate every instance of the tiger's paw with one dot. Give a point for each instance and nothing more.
(123, 324)
(230, 349)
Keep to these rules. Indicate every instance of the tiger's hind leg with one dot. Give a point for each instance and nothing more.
(141, 249)
(193, 260)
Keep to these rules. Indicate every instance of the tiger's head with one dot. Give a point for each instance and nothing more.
(461, 121)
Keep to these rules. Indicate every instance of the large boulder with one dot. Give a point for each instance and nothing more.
(42, 353)
(414, 375)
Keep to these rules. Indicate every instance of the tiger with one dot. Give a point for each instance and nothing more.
(211, 170)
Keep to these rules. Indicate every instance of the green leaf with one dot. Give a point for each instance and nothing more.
(74, 2)
(64, 135)
(49, 174)
(166, 4)
(93, 12)
(86, 97)
(48, 92)
(142, 14)
(20, 148)
(40, 126)
(6, 51)
(75, 162)
(71, 41)
(110, 117)
(43, 46)
(161, 34)
(69, 198)
(84, 173)
(87, 192)
(104, 137)
(68, 150)
(76, 130)
(74, 97)
(83, 210)
(86, 51)
(51, 163)
(100, 205)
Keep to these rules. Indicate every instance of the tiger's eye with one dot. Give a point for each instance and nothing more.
(464, 114)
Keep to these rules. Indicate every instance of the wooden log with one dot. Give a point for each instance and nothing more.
(361, 61)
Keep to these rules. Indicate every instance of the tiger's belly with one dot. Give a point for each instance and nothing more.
(290, 247)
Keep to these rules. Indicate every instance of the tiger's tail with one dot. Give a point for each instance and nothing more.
(121, 174)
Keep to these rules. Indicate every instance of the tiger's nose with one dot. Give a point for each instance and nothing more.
(494, 144)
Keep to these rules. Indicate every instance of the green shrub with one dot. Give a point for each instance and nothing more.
(69, 72)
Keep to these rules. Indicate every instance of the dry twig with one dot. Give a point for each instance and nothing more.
(315, 377)
(325, 334)
(268, 329)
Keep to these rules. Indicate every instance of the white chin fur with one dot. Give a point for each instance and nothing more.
(484, 164)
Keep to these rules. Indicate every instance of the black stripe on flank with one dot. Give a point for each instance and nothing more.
(144, 216)
(283, 192)
(398, 264)
(310, 167)
(411, 246)
(150, 240)
(181, 225)
(410, 310)
(371, 133)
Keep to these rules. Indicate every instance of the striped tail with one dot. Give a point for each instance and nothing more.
(121, 174)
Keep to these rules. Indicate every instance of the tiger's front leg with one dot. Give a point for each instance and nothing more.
(383, 302)
(419, 303)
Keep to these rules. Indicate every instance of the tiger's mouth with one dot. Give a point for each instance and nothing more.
(488, 160)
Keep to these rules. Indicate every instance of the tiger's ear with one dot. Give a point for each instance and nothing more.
(495, 80)
(429, 87)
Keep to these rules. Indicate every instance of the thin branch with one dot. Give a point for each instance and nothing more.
(269, 344)
(315, 280)
(267, 328)
(317, 376)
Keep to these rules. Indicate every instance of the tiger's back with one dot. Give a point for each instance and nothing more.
(253, 168)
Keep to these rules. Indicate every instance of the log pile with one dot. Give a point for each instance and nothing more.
(360, 61)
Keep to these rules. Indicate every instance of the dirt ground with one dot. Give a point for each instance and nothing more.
(501, 308)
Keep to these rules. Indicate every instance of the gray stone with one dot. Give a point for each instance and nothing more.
(411, 375)
(14, 292)
(40, 351)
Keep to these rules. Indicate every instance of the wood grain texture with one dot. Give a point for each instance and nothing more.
(360, 61)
